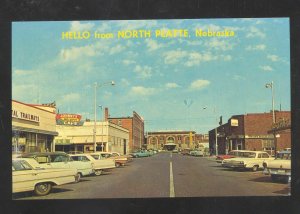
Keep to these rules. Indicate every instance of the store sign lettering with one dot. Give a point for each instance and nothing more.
(25, 116)
(69, 119)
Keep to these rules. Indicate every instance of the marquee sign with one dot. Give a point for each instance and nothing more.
(234, 122)
(25, 116)
(69, 119)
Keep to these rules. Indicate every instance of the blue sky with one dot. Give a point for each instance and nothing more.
(173, 83)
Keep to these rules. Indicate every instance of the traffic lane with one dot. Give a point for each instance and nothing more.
(143, 177)
(202, 177)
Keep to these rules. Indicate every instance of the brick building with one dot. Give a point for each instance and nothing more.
(182, 139)
(134, 124)
(251, 132)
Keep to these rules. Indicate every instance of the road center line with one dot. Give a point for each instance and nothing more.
(172, 192)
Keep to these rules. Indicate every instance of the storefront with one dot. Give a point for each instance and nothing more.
(33, 127)
(79, 137)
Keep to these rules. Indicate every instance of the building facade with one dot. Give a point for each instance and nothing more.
(33, 127)
(250, 132)
(182, 139)
(80, 138)
(135, 126)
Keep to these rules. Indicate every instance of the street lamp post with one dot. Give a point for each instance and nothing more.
(96, 85)
(271, 85)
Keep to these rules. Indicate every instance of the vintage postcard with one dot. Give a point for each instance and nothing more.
(151, 108)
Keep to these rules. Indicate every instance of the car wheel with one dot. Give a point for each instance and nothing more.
(42, 189)
(77, 177)
(98, 172)
(118, 165)
(255, 168)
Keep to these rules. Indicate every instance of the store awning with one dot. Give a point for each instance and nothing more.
(37, 131)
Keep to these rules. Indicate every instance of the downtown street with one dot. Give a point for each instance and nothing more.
(167, 175)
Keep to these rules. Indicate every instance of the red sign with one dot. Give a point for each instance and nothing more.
(68, 119)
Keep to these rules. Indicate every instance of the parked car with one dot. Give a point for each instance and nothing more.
(280, 167)
(231, 154)
(186, 151)
(119, 161)
(141, 153)
(197, 153)
(61, 160)
(99, 165)
(28, 175)
(247, 160)
(117, 154)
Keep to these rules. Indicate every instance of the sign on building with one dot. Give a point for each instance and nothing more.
(69, 119)
(234, 122)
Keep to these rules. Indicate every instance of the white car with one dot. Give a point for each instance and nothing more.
(119, 161)
(27, 175)
(99, 165)
(61, 160)
(248, 160)
(279, 168)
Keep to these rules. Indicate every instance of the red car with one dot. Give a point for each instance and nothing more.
(231, 154)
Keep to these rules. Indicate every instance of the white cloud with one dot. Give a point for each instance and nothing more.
(210, 27)
(218, 44)
(195, 58)
(171, 85)
(125, 82)
(116, 49)
(172, 57)
(199, 84)
(152, 45)
(143, 72)
(273, 58)
(77, 26)
(72, 97)
(142, 91)
(266, 68)
(128, 62)
(75, 53)
(255, 32)
(104, 27)
(20, 72)
(259, 47)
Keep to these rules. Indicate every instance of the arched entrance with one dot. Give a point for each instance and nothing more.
(170, 145)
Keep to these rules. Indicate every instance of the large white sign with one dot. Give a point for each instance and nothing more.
(25, 116)
(234, 122)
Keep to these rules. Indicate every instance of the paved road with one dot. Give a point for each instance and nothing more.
(168, 175)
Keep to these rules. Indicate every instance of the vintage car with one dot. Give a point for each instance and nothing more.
(186, 151)
(28, 175)
(119, 161)
(61, 160)
(140, 153)
(117, 154)
(99, 165)
(197, 152)
(247, 160)
(280, 167)
(231, 154)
